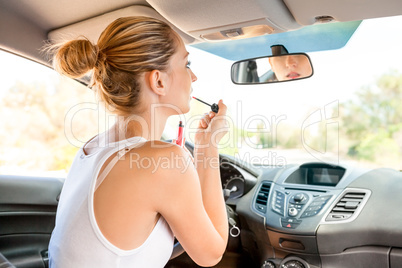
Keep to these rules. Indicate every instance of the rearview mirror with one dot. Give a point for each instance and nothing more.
(272, 69)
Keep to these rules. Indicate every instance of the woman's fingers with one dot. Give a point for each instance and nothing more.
(205, 120)
(212, 126)
(207, 117)
(222, 108)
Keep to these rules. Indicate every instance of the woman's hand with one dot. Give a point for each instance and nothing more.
(212, 127)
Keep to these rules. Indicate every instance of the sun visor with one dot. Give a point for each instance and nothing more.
(308, 12)
(92, 28)
(213, 20)
(308, 39)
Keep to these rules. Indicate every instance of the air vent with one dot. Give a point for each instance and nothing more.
(262, 197)
(348, 206)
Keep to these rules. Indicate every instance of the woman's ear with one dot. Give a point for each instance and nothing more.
(157, 82)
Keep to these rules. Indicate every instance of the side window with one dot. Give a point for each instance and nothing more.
(45, 118)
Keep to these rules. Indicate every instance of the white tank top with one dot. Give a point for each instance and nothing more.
(77, 241)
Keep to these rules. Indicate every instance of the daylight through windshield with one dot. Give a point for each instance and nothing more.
(348, 112)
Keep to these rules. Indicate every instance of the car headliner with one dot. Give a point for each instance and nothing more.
(25, 24)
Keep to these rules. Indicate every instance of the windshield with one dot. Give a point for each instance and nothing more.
(349, 112)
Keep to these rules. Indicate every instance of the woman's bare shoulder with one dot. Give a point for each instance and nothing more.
(153, 167)
(159, 158)
(155, 148)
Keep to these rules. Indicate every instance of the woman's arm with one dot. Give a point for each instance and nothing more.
(191, 196)
(211, 129)
(196, 218)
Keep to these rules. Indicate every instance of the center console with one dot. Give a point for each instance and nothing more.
(301, 198)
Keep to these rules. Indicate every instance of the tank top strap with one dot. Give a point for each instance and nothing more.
(122, 148)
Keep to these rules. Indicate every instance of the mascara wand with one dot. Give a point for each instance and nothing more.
(214, 106)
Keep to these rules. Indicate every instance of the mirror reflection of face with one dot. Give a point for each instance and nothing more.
(290, 67)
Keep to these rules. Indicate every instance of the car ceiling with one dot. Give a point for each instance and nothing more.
(49, 15)
(26, 24)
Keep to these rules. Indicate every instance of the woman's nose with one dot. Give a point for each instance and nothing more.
(193, 76)
(291, 61)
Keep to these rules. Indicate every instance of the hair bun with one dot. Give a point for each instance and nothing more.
(127, 48)
(75, 58)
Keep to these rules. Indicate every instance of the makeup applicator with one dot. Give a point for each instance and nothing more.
(214, 106)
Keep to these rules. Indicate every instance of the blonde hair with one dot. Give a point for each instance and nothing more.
(127, 48)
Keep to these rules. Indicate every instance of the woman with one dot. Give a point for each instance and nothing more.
(128, 194)
(290, 67)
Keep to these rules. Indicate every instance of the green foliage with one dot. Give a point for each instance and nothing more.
(377, 145)
(373, 121)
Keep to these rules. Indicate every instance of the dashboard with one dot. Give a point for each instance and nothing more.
(316, 214)
(301, 196)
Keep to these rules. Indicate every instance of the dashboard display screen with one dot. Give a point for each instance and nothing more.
(317, 175)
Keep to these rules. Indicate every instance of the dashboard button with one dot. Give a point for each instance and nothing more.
(278, 202)
(261, 208)
(315, 207)
(290, 225)
(290, 220)
(293, 212)
(309, 214)
(305, 214)
(310, 208)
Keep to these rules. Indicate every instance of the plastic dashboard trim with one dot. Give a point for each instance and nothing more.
(357, 211)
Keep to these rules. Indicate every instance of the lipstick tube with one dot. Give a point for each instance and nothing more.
(180, 138)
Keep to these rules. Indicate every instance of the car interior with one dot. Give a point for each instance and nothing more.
(303, 214)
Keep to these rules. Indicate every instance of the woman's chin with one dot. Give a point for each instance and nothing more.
(183, 110)
(186, 110)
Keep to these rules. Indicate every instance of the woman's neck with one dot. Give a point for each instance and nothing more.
(144, 125)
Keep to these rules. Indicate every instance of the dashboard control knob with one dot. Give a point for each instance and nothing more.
(293, 264)
(299, 197)
(268, 264)
(293, 212)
